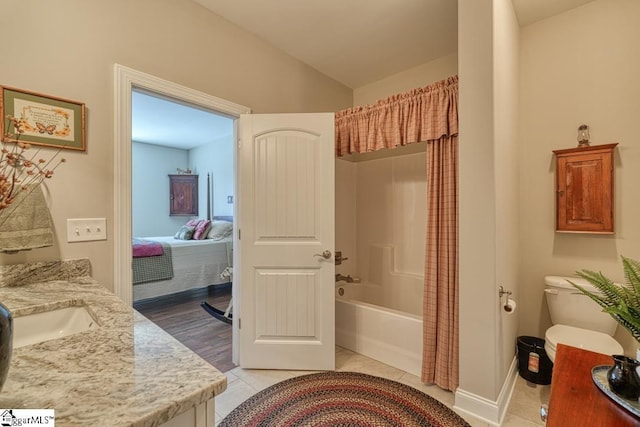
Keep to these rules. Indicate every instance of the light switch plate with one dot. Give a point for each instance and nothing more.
(86, 229)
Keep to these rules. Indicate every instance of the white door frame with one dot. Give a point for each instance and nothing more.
(125, 80)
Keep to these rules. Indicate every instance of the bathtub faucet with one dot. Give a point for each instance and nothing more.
(347, 279)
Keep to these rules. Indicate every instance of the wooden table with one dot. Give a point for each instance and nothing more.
(575, 400)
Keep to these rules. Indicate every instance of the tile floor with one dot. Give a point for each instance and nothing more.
(243, 383)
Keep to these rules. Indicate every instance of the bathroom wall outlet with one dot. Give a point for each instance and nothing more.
(86, 229)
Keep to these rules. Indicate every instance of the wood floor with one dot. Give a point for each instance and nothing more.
(181, 316)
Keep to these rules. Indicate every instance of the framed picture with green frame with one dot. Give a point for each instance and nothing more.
(43, 120)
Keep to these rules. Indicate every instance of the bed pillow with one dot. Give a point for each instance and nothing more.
(202, 229)
(220, 229)
(193, 222)
(185, 233)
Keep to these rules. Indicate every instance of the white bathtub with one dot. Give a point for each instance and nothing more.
(382, 322)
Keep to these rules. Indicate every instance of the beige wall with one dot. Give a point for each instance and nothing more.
(578, 67)
(67, 48)
(422, 75)
(488, 49)
(477, 202)
(506, 62)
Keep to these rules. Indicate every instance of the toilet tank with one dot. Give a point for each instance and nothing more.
(568, 306)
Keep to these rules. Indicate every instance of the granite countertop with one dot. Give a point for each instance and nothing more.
(127, 371)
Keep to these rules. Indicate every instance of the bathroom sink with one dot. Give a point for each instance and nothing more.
(50, 325)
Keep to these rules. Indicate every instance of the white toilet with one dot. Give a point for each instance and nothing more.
(577, 320)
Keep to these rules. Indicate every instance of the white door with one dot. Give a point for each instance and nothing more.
(286, 286)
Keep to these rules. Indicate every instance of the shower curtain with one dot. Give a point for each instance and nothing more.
(427, 114)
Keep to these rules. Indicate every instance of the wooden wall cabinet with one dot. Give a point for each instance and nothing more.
(584, 189)
(183, 195)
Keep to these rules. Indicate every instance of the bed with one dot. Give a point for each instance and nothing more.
(182, 265)
(164, 265)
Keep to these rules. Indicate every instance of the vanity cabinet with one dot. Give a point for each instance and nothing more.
(584, 189)
(146, 377)
(202, 415)
(183, 195)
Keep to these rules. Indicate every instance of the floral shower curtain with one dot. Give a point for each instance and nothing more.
(427, 114)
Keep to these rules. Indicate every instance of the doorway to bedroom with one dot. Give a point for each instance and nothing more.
(182, 189)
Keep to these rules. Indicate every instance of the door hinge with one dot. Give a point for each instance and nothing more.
(238, 236)
(239, 323)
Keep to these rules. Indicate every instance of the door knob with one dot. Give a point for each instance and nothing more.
(325, 254)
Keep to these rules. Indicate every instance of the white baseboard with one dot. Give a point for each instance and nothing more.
(492, 412)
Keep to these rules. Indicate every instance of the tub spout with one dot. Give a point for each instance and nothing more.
(347, 279)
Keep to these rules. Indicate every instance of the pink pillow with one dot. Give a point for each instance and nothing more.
(202, 229)
(193, 222)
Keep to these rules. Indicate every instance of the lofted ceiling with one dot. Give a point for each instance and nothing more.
(530, 11)
(355, 42)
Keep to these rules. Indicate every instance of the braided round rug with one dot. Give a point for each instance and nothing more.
(341, 399)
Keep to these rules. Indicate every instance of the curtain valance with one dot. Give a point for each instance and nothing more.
(422, 114)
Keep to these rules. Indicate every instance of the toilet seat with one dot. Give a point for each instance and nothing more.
(582, 338)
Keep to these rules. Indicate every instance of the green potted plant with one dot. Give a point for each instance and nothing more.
(621, 301)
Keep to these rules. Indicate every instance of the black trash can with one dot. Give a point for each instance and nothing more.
(533, 363)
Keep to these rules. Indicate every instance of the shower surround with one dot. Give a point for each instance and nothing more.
(380, 227)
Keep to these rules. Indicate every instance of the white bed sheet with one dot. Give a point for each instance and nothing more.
(196, 264)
